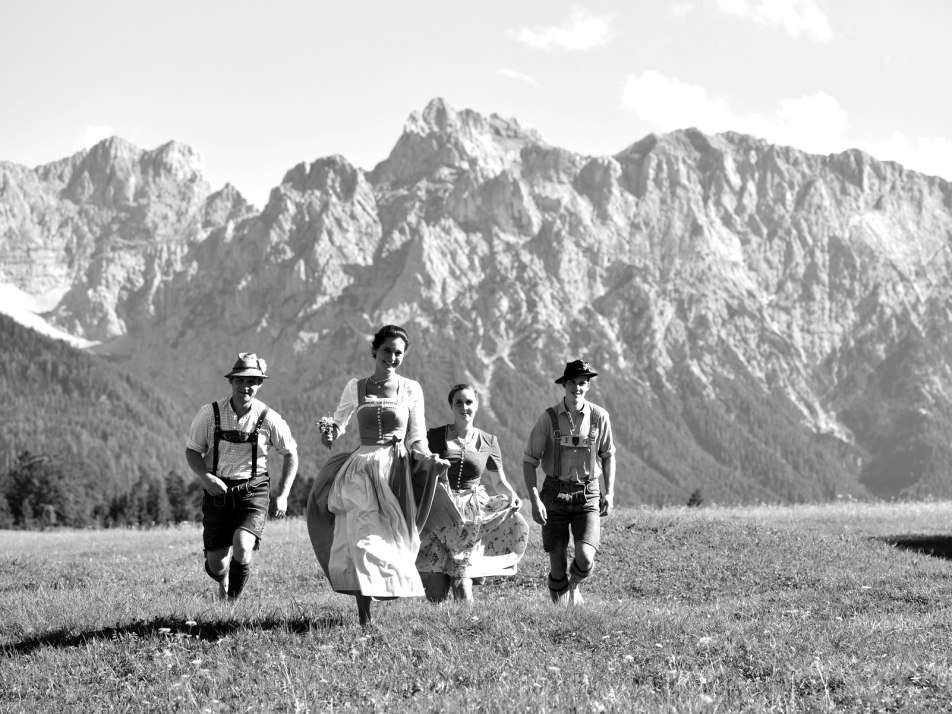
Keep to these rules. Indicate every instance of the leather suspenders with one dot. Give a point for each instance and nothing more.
(236, 436)
(557, 439)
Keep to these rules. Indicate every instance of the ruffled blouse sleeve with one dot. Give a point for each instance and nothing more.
(416, 428)
(346, 406)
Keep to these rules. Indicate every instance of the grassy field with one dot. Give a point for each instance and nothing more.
(808, 608)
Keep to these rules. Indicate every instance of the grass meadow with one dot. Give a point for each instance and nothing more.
(782, 609)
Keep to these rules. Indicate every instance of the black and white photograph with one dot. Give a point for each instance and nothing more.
(496, 357)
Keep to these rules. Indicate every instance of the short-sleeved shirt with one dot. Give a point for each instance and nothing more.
(234, 460)
(575, 463)
(467, 465)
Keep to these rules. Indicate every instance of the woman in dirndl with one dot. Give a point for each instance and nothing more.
(366, 508)
(470, 535)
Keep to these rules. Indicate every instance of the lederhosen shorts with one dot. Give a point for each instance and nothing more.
(243, 507)
(570, 507)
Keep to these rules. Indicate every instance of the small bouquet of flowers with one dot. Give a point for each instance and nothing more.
(325, 424)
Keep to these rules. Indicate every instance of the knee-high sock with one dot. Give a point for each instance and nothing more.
(557, 588)
(238, 574)
(576, 574)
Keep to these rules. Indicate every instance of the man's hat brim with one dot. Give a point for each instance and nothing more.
(247, 373)
(565, 377)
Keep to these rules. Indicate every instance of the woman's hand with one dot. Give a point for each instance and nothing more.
(437, 460)
(428, 455)
(515, 503)
(329, 433)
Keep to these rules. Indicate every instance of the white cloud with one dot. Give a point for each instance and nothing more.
(92, 135)
(580, 31)
(795, 16)
(666, 103)
(512, 74)
(928, 155)
(680, 9)
(815, 123)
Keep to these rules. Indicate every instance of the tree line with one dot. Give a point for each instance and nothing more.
(42, 491)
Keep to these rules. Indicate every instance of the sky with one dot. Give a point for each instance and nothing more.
(257, 88)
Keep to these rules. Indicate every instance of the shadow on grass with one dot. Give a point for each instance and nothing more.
(166, 628)
(938, 546)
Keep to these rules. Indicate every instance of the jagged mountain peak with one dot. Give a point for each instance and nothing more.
(177, 159)
(857, 165)
(439, 117)
(115, 153)
(441, 139)
(225, 204)
(116, 172)
(330, 173)
(111, 148)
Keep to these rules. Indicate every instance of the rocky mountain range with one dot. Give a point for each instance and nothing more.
(769, 325)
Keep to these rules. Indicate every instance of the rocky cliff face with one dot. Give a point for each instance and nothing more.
(97, 232)
(768, 324)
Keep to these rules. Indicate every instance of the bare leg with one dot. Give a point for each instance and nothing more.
(216, 565)
(464, 590)
(579, 570)
(240, 569)
(363, 610)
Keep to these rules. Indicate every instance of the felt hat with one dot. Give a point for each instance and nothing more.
(576, 368)
(248, 365)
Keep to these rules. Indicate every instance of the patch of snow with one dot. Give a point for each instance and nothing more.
(25, 309)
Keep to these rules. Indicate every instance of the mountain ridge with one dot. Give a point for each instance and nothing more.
(708, 278)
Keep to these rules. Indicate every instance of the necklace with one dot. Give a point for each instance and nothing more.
(464, 443)
(379, 382)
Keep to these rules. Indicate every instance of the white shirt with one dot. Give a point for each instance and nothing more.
(234, 460)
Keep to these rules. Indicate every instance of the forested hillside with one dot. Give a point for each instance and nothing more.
(86, 443)
(82, 440)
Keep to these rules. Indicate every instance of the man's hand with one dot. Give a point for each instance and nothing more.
(539, 514)
(213, 485)
(280, 506)
(607, 504)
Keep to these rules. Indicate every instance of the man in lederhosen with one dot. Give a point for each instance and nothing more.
(573, 443)
(227, 448)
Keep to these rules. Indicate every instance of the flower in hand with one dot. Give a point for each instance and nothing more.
(328, 430)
